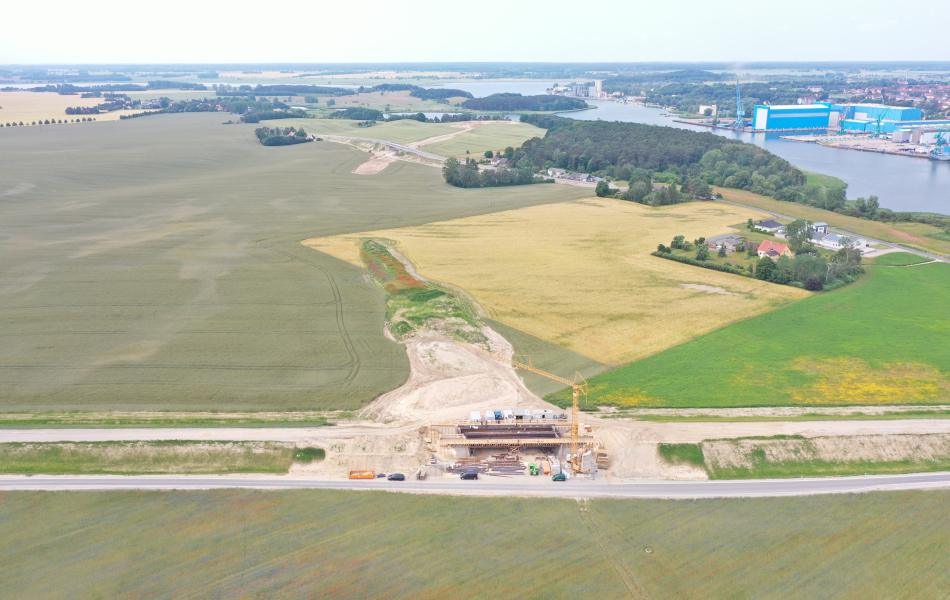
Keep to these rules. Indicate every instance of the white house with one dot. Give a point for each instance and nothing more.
(556, 172)
(820, 227)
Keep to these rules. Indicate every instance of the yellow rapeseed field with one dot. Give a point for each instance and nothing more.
(580, 273)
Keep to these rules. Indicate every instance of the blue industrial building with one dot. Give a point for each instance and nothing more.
(794, 117)
(873, 112)
(868, 118)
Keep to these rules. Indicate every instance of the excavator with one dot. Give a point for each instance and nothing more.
(578, 385)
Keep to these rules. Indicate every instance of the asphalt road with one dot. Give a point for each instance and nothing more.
(530, 487)
(848, 233)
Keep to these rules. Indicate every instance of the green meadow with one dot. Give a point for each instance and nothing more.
(899, 259)
(883, 340)
(156, 264)
(335, 544)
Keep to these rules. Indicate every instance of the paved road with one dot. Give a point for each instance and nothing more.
(647, 431)
(394, 145)
(843, 232)
(535, 487)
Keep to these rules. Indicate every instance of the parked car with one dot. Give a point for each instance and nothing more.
(396, 477)
(470, 475)
(380, 475)
(559, 477)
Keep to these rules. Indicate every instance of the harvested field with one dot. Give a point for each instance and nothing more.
(155, 264)
(579, 274)
(885, 340)
(314, 544)
(36, 106)
(139, 458)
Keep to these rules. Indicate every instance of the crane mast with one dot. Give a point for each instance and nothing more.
(740, 112)
(577, 390)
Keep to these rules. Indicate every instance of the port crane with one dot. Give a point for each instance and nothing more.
(578, 385)
(740, 112)
(877, 124)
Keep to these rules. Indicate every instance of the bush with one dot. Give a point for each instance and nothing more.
(814, 284)
(706, 265)
(308, 455)
(679, 454)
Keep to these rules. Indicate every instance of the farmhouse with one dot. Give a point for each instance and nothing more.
(580, 177)
(500, 162)
(556, 172)
(773, 250)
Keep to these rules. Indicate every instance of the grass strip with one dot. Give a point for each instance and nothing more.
(124, 419)
(923, 414)
(824, 468)
(151, 457)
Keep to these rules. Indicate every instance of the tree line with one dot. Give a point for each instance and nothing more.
(419, 92)
(275, 136)
(468, 175)
(510, 101)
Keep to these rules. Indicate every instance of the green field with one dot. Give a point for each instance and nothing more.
(899, 259)
(884, 340)
(826, 181)
(493, 137)
(114, 419)
(399, 132)
(156, 264)
(151, 458)
(329, 544)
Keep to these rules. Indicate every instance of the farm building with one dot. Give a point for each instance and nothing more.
(770, 226)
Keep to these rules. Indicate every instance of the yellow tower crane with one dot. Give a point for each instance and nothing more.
(578, 389)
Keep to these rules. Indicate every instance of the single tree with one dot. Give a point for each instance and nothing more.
(814, 284)
(677, 242)
(603, 189)
(702, 252)
(708, 112)
(764, 268)
(750, 223)
(798, 232)
(489, 154)
(722, 251)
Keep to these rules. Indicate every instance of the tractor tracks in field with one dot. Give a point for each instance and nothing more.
(610, 552)
(337, 303)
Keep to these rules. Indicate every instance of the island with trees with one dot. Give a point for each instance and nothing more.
(517, 102)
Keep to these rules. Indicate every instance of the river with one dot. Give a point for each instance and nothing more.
(901, 183)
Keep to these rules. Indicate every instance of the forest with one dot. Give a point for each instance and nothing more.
(678, 156)
(419, 92)
(543, 102)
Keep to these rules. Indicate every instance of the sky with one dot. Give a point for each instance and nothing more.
(176, 31)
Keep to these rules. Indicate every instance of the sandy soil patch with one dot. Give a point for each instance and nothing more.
(871, 448)
(378, 162)
(462, 128)
(709, 289)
